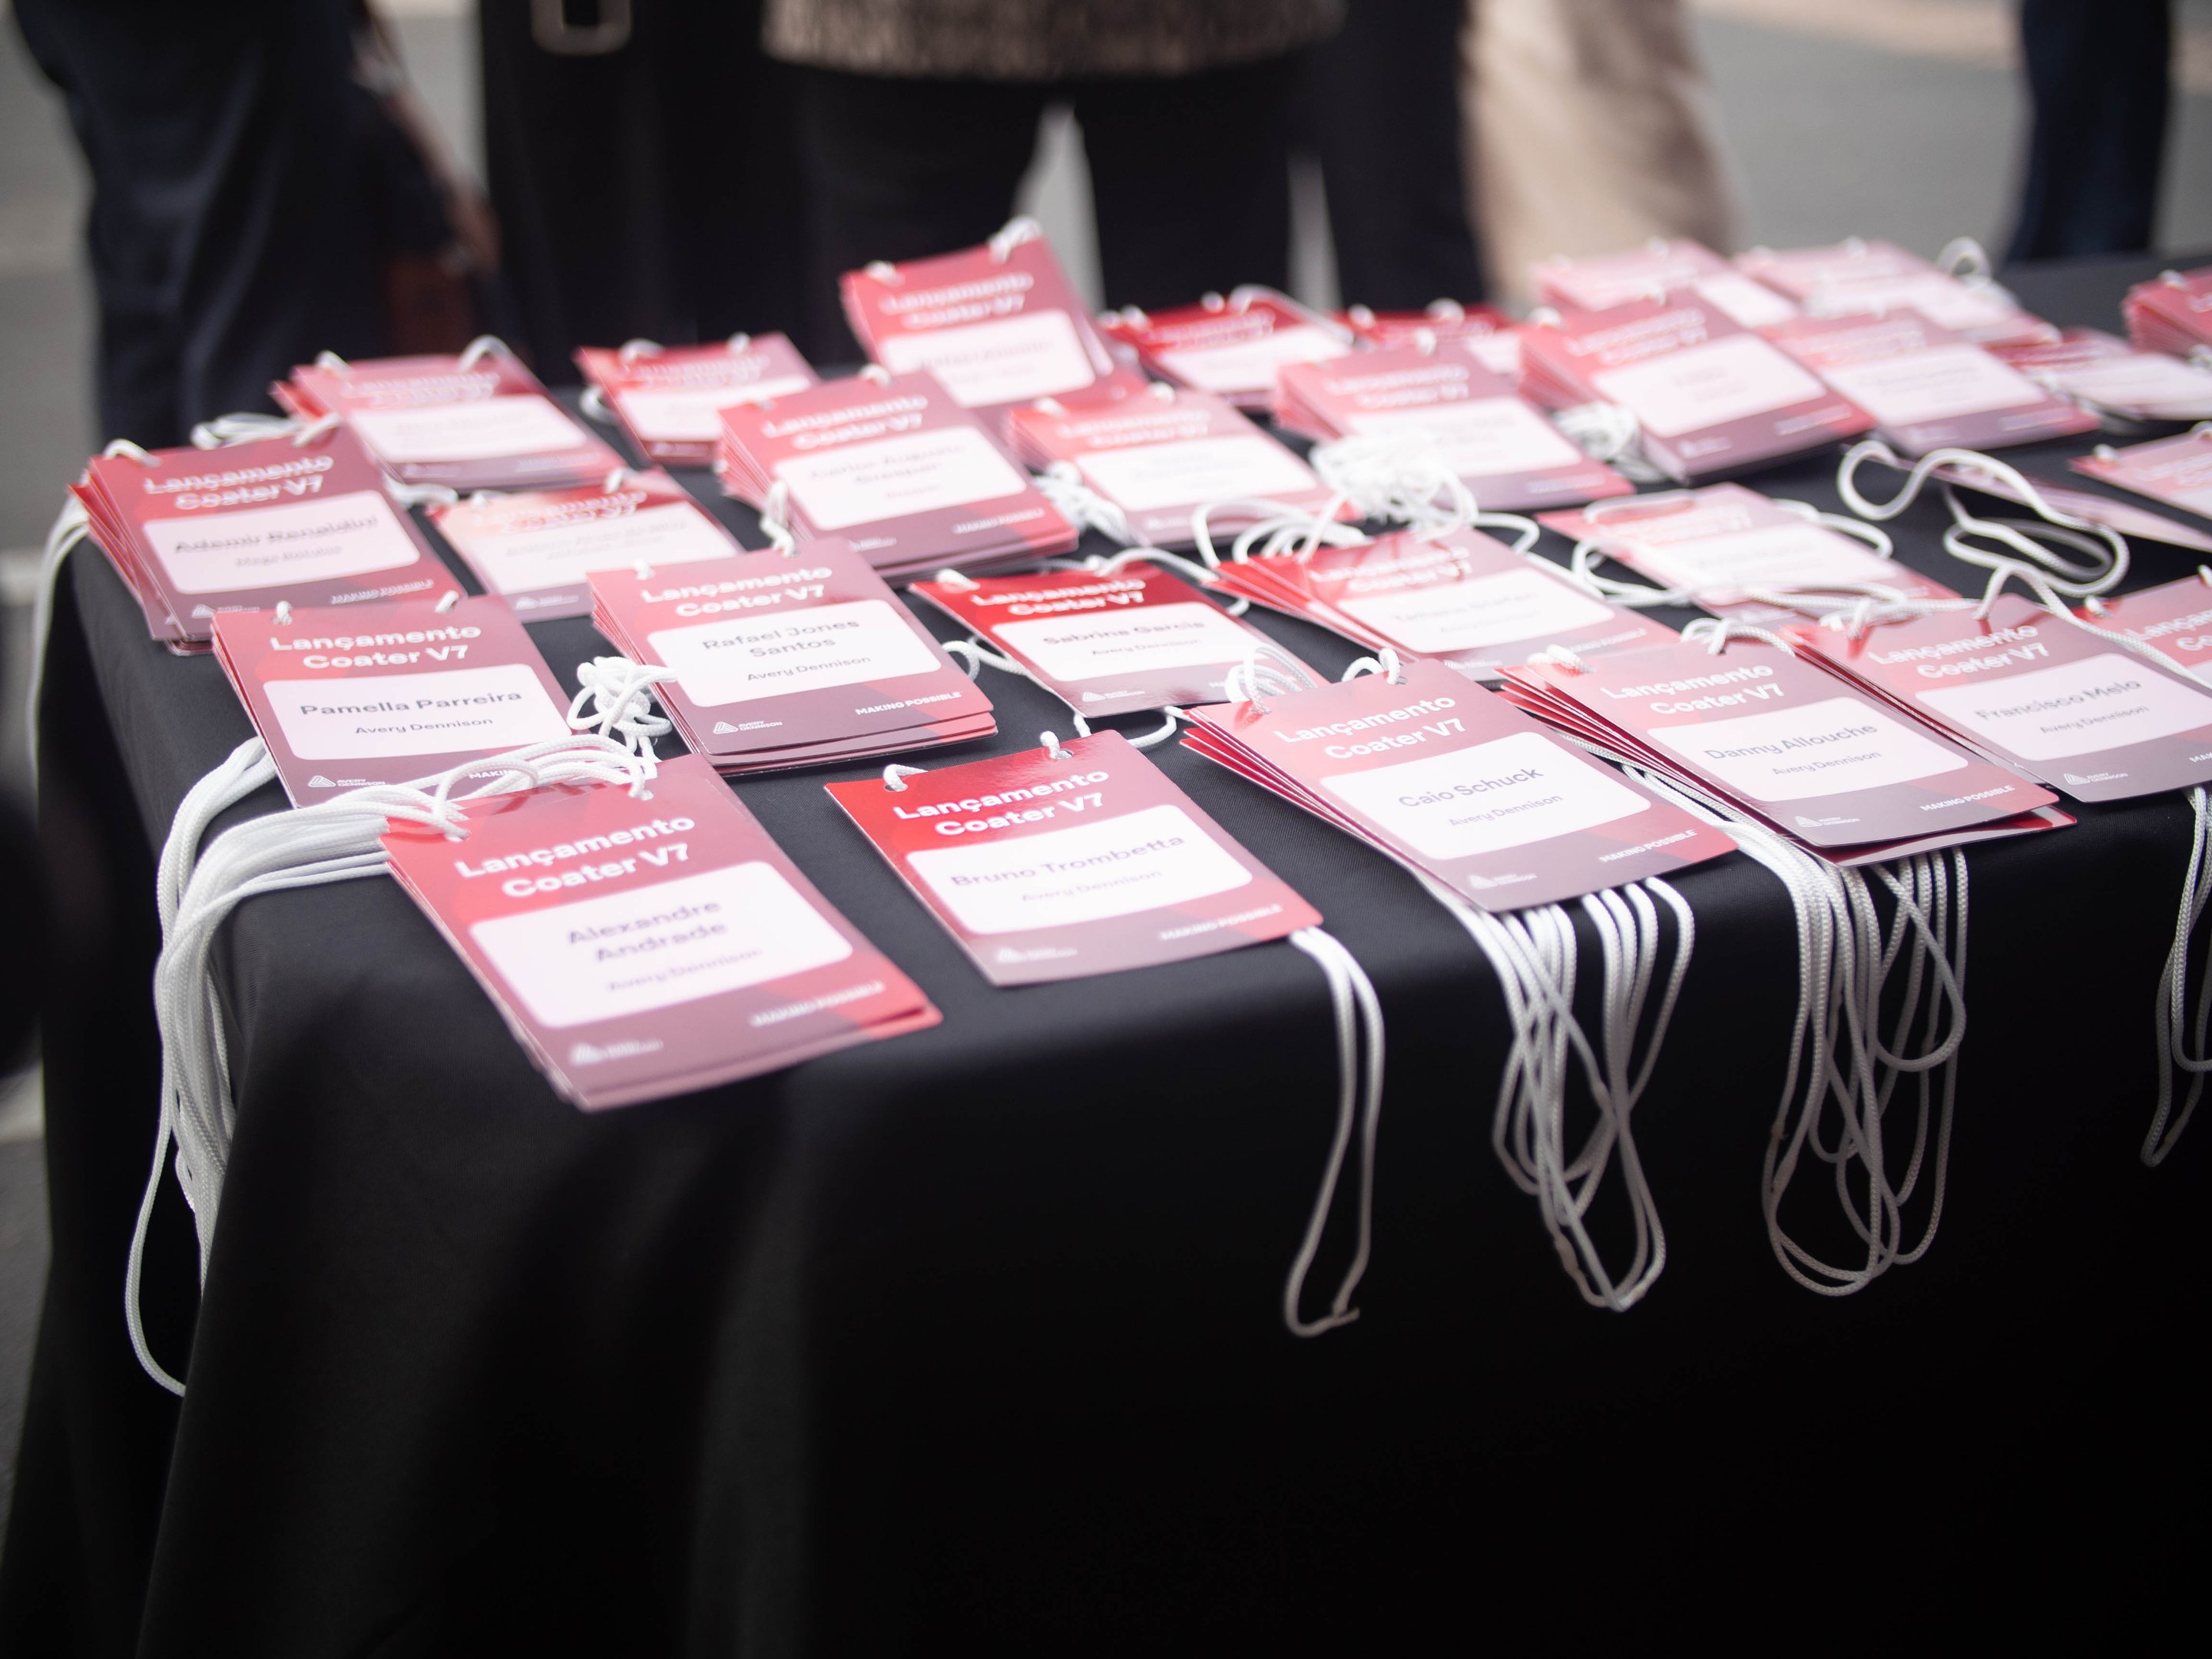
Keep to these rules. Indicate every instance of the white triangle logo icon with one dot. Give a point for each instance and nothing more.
(723, 726)
(319, 782)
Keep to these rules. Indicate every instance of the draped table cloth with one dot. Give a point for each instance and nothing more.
(972, 1337)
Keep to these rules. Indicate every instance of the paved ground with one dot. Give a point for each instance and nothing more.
(1886, 118)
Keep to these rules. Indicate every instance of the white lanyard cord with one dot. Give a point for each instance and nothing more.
(1608, 433)
(2180, 1040)
(1533, 954)
(68, 529)
(336, 840)
(1357, 1013)
(1838, 1056)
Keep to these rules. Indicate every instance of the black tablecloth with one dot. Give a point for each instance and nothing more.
(971, 1338)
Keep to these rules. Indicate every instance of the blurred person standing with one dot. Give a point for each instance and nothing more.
(917, 119)
(1379, 107)
(264, 187)
(1592, 128)
(2099, 85)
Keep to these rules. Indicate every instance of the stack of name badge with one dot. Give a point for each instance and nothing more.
(1856, 278)
(1707, 395)
(641, 947)
(480, 420)
(2175, 470)
(2174, 619)
(1483, 332)
(2035, 692)
(354, 695)
(670, 399)
(999, 324)
(1105, 642)
(1507, 454)
(1457, 597)
(1926, 387)
(896, 467)
(537, 548)
(2105, 373)
(1725, 545)
(196, 532)
(2173, 313)
(788, 659)
(1066, 861)
(1455, 784)
(1660, 267)
(1784, 741)
(1233, 346)
(1159, 456)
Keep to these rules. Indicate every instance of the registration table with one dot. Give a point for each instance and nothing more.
(972, 1339)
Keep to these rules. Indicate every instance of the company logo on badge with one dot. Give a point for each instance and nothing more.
(319, 782)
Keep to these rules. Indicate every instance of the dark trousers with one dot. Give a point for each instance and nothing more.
(241, 196)
(652, 190)
(2097, 77)
(1380, 109)
(1189, 175)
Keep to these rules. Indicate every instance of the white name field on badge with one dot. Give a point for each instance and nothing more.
(640, 948)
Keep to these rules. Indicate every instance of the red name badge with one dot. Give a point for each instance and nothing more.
(1231, 347)
(2175, 470)
(1160, 456)
(1707, 394)
(789, 660)
(1857, 278)
(1725, 543)
(1601, 282)
(2040, 695)
(1456, 783)
(1048, 866)
(640, 948)
(2174, 619)
(1106, 644)
(2105, 372)
(2172, 313)
(1826, 764)
(1927, 387)
(480, 420)
(1482, 332)
(896, 467)
(198, 531)
(536, 550)
(1459, 598)
(1508, 454)
(670, 399)
(353, 695)
(999, 324)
